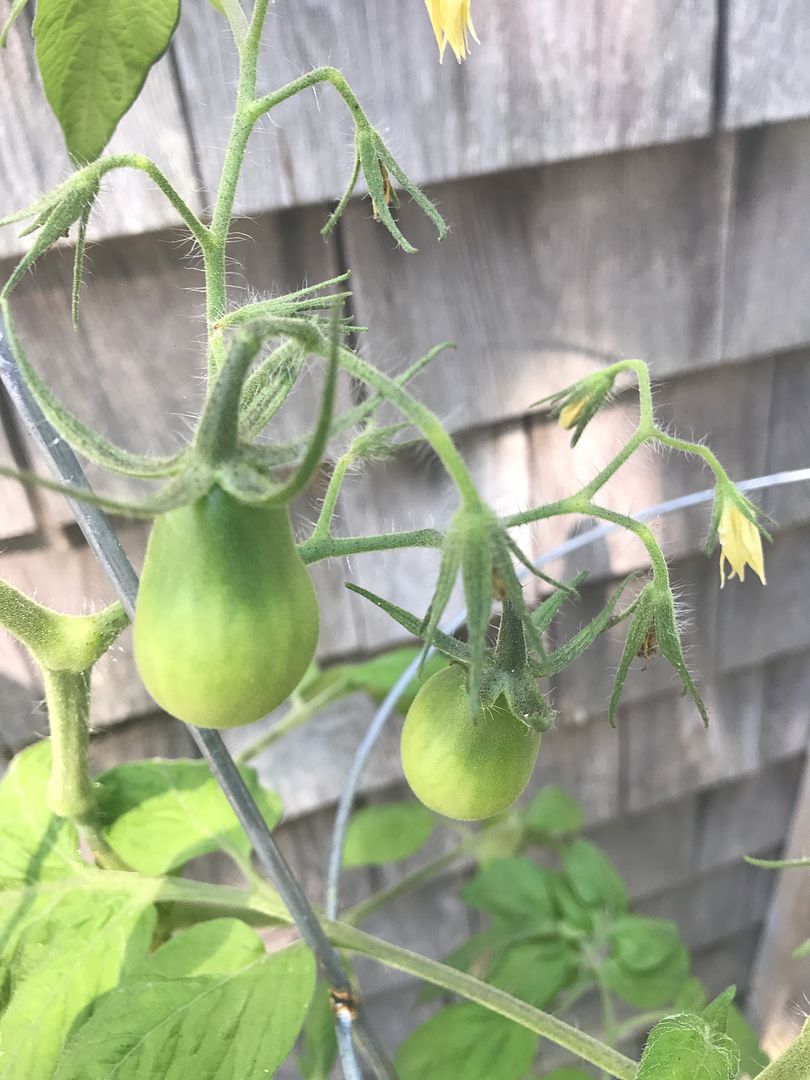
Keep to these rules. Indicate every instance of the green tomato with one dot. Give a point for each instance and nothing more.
(226, 621)
(462, 768)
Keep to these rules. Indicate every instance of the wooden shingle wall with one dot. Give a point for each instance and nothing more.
(620, 180)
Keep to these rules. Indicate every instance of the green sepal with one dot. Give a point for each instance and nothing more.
(575, 646)
(443, 643)
(76, 199)
(544, 614)
(669, 643)
(643, 622)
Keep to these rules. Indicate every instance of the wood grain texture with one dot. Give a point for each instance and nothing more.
(747, 815)
(767, 276)
(549, 272)
(780, 980)
(767, 77)
(549, 82)
(33, 158)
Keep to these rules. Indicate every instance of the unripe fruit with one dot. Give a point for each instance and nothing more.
(462, 768)
(226, 621)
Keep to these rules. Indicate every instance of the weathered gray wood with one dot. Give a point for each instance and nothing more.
(33, 158)
(666, 751)
(767, 76)
(549, 82)
(748, 815)
(713, 906)
(620, 254)
(780, 980)
(767, 276)
(755, 623)
(786, 706)
(789, 437)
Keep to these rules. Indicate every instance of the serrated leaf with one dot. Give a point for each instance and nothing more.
(64, 946)
(160, 814)
(552, 813)
(319, 1043)
(383, 834)
(684, 1047)
(94, 56)
(216, 1026)
(643, 944)
(35, 843)
(376, 677)
(219, 946)
(593, 877)
(466, 1042)
(513, 891)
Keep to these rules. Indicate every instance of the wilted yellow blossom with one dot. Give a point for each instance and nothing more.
(452, 25)
(740, 544)
(570, 413)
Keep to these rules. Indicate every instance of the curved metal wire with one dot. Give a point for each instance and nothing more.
(375, 728)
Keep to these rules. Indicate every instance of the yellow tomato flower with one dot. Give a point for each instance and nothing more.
(452, 25)
(570, 413)
(740, 544)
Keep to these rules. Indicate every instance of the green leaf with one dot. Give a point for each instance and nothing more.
(234, 1024)
(753, 1058)
(378, 676)
(318, 1037)
(473, 955)
(159, 814)
(801, 950)
(466, 1042)
(552, 813)
(94, 56)
(567, 1073)
(648, 989)
(642, 944)
(16, 10)
(219, 946)
(535, 972)
(35, 844)
(716, 1012)
(383, 834)
(512, 891)
(684, 1047)
(593, 878)
(64, 946)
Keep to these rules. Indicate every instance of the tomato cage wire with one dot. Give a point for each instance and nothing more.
(103, 541)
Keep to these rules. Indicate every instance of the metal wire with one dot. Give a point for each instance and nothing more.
(106, 546)
(386, 708)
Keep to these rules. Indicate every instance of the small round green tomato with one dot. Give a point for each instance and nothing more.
(226, 621)
(462, 768)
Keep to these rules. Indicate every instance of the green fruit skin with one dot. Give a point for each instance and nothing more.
(226, 620)
(462, 768)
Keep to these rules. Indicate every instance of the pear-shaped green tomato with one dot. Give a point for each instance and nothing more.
(226, 621)
(462, 768)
